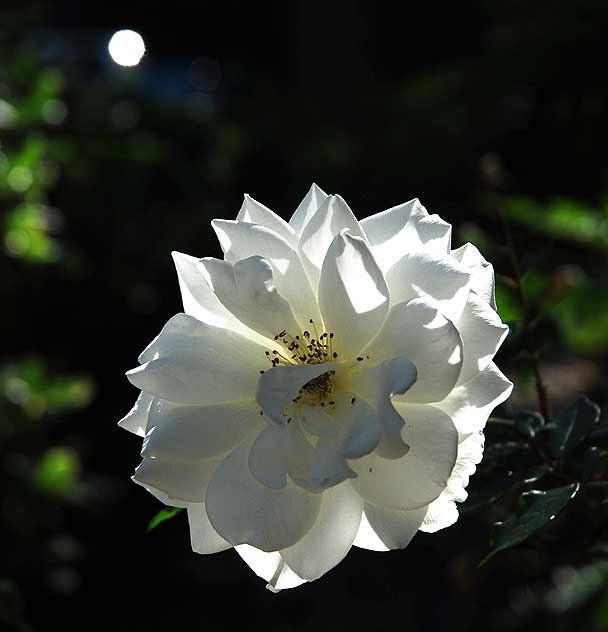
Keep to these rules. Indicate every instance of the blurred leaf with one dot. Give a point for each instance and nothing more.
(582, 317)
(572, 425)
(536, 509)
(162, 516)
(563, 218)
(28, 385)
(507, 304)
(576, 586)
(57, 472)
(26, 234)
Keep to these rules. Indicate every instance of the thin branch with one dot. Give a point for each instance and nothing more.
(541, 388)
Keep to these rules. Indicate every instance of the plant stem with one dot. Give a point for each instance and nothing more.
(541, 388)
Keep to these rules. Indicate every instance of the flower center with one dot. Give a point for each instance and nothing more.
(308, 348)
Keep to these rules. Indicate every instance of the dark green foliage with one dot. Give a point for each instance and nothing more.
(572, 426)
(536, 509)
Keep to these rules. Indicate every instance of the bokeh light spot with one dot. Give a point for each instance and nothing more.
(126, 48)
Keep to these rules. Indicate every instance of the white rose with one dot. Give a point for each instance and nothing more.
(326, 386)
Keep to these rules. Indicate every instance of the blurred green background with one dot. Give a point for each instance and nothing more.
(479, 109)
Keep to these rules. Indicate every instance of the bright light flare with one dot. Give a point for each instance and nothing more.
(126, 48)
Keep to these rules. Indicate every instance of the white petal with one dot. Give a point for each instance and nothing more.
(203, 537)
(136, 420)
(198, 298)
(395, 529)
(278, 386)
(240, 240)
(244, 511)
(362, 426)
(319, 463)
(470, 453)
(193, 433)
(417, 478)
(377, 384)
(367, 538)
(333, 216)
(482, 334)
(307, 208)
(271, 567)
(424, 274)
(193, 363)
(353, 295)
(470, 404)
(331, 537)
(418, 331)
(440, 514)
(269, 456)
(482, 272)
(403, 229)
(247, 290)
(255, 213)
(181, 481)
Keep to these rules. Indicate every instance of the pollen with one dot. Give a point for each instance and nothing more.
(308, 347)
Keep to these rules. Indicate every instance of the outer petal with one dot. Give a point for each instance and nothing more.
(182, 481)
(307, 208)
(442, 512)
(417, 478)
(353, 295)
(470, 404)
(377, 385)
(482, 272)
(244, 511)
(136, 420)
(247, 290)
(482, 334)
(405, 228)
(395, 529)
(240, 240)
(418, 331)
(198, 298)
(271, 567)
(193, 433)
(281, 384)
(192, 363)
(333, 216)
(330, 539)
(367, 538)
(203, 537)
(424, 274)
(253, 212)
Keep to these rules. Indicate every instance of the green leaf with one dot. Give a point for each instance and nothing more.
(537, 509)
(572, 425)
(162, 516)
(528, 423)
(502, 486)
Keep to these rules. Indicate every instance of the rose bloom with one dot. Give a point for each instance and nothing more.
(326, 386)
